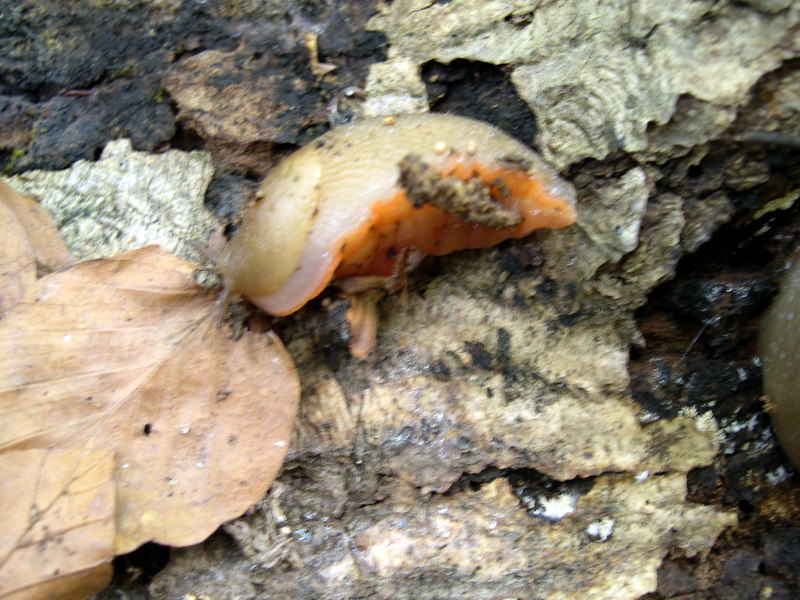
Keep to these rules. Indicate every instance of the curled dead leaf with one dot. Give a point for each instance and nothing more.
(57, 523)
(17, 265)
(50, 252)
(31, 245)
(122, 353)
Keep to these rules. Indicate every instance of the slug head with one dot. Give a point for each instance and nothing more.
(268, 245)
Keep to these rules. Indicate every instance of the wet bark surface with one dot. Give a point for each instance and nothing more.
(449, 447)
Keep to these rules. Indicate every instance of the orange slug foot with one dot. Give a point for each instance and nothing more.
(464, 204)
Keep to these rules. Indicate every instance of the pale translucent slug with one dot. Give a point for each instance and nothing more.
(336, 208)
(780, 358)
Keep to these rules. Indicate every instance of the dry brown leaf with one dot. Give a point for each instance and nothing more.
(17, 263)
(50, 252)
(31, 243)
(57, 523)
(122, 353)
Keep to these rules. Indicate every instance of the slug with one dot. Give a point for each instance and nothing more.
(780, 359)
(367, 198)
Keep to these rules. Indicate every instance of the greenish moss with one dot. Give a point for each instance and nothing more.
(158, 94)
(16, 154)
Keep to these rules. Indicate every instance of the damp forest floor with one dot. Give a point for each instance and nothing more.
(75, 76)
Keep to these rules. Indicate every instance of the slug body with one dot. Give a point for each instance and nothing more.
(337, 208)
(780, 358)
